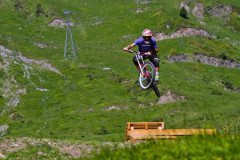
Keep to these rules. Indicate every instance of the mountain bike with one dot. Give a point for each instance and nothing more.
(146, 74)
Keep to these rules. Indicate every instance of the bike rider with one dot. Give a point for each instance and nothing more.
(148, 48)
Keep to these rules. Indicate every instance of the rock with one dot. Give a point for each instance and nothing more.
(205, 59)
(184, 5)
(143, 1)
(3, 129)
(183, 32)
(42, 89)
(186, 32)
(15, 100)
(11, 89)
(90, 109)
(178, 58)
(12, 145)
(40, 45)
(170, 97)
(141, 105)
(83, 66)
(116, 108)
(57, 22)
(184, 11)
(75, 150)
(161, 36)
(198, 11)
(237, 89)
(203, 23)
(97, 21)
(106, 68)
(215, 61)
(220, 11)
(42, 153)
(113, 108)
(139, 10)
(40, 63)
(15, 116)
(2, 156)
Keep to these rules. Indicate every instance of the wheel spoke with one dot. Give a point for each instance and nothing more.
(146, 79)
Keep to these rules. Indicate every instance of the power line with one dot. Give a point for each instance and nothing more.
(69, 49)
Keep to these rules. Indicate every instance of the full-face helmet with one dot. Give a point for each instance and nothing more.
(147, 34)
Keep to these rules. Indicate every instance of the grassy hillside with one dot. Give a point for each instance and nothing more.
(187, 148)
(75, 107)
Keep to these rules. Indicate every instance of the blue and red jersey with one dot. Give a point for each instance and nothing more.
(144, 46)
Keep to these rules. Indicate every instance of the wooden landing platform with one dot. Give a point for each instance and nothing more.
(155, 130)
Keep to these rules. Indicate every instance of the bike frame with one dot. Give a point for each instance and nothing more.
(140, 60)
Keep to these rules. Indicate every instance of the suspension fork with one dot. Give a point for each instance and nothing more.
(140, 63)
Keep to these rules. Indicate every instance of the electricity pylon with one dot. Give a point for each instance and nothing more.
(69, 49)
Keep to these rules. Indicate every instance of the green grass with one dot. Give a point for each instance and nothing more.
(183, 148)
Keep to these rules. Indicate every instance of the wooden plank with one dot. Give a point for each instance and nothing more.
(145, 125)
(134, 139)
(172, 133)
(155, 130)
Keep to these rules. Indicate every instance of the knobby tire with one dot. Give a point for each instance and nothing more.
(156, 90)
(151, 81)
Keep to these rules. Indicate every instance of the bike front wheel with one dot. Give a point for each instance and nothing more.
(147, 75)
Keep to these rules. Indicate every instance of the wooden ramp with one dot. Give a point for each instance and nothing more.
(155, 130)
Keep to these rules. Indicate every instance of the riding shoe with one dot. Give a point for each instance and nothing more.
(157, 78)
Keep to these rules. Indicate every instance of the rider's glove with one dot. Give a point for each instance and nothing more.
(126, 49)
(148, 53)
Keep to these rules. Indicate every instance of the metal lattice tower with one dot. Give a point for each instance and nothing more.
(69, 49)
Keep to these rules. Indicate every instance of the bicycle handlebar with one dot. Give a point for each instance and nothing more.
(131, 51)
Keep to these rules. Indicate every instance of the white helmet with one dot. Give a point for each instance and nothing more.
(147, 33)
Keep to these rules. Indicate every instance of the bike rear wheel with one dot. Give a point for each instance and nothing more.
(156, 90)
(147, 75)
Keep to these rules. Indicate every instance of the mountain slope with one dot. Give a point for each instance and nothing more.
(94, 96)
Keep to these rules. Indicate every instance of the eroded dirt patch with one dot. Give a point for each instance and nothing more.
(11, 89)
(2, 156)
(183, 32)
(204, 59)
(198, 11)
(57, 22)
(170, 97)
(75, 150)
(220, 11)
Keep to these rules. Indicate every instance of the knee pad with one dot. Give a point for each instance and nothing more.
(135, 61)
